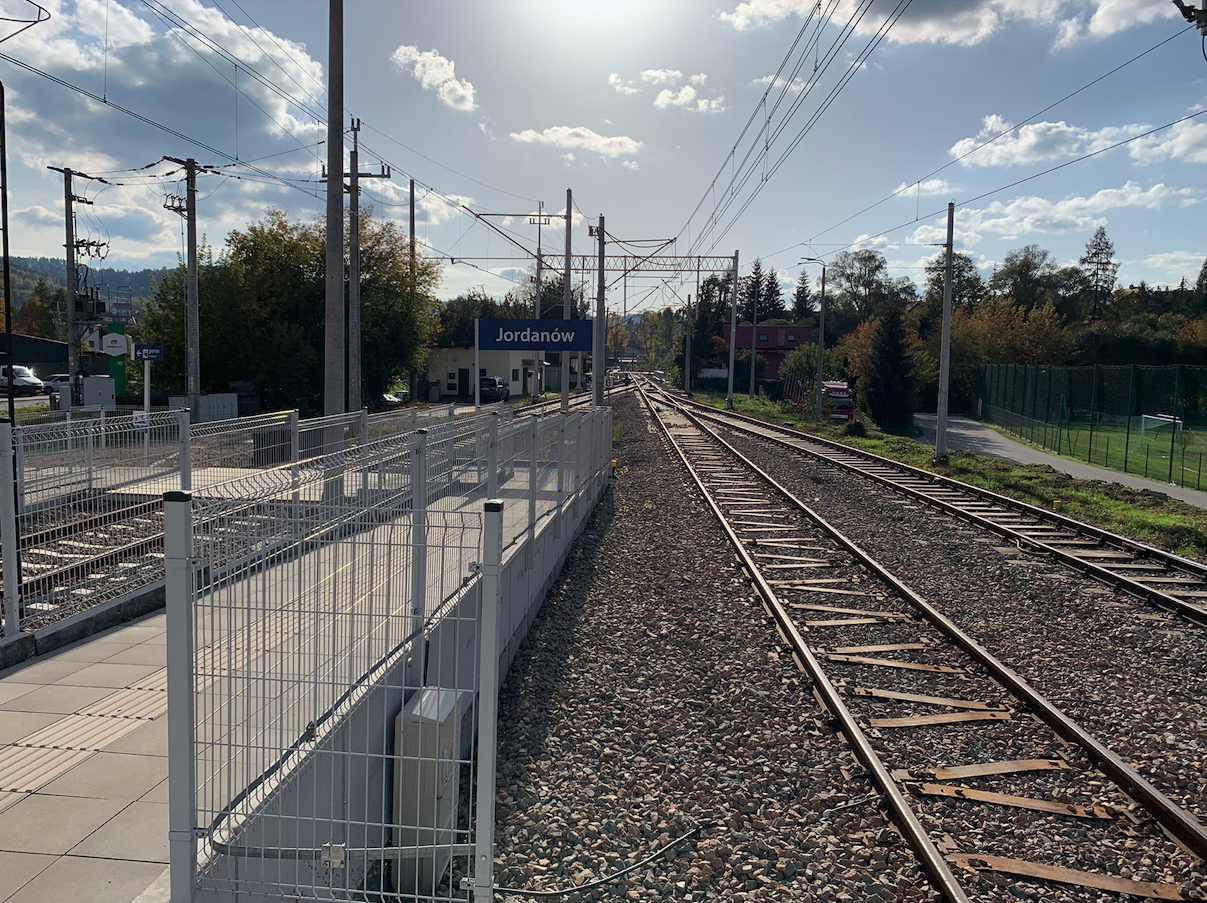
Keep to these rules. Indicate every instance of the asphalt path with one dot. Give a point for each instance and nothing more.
(965, 434)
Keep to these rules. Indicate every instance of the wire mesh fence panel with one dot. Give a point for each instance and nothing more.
(242, 444)
(1149, 420)
(333, 657)
(311, 777)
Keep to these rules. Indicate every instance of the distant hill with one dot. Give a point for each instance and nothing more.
(25, 272)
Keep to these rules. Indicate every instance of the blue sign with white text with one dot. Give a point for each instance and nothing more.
(148, 352)
(535, 335)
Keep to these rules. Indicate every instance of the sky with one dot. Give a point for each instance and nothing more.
(780, 129)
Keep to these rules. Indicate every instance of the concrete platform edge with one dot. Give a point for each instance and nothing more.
(132, 605)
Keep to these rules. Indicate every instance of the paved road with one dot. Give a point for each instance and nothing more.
(971, 435)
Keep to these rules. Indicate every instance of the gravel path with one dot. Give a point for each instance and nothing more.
(653, 697)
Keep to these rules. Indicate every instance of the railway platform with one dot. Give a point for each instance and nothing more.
(84, 809)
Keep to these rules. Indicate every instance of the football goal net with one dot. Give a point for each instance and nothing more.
(1154, 425)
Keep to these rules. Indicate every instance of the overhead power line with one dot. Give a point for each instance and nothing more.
(1003, 133)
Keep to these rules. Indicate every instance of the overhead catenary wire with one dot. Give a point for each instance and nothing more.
(1001, 134)
(1015, 183)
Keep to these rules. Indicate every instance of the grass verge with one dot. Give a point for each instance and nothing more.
(1150, 517)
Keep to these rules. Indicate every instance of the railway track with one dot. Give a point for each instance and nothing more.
(990, 783)
(1161, 578)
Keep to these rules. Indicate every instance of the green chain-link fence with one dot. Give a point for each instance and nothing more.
(1143, 420)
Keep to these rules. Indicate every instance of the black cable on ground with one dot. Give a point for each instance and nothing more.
(599, 882)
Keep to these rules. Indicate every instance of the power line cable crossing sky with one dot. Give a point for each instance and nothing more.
(783, 128)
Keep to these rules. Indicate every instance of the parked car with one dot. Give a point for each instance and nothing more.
(24, 381)
(492, 389)
(56, 382)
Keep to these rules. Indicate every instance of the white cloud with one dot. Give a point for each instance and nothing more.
(619, 85)
(1185, 141)
(486, 130)
(686, 99)
(928, 189)
(1036, 142)
(432, 70)
(568, 157)
(629, 164)
(580, 138)
(966, 22)
(1023, 216)
(698, 79)
(795, 86)
(658, 76)
(150, 69)
(1173, 266)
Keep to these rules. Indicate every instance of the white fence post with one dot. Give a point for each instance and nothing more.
(419, 492)
(186, 450)
(8, 533)
(295, 473)
(492, 455)
(104, 446)
(534, 471)
(19, 447)
(182, 782)
(580, 460)
(563, 466)
(488, 700)
(364, 461)
(88, 453)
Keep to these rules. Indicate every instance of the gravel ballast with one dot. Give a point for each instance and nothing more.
(1133, 676)
(653, 697)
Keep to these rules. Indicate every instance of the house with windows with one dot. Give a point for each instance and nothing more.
(452, 369)
(774, 342)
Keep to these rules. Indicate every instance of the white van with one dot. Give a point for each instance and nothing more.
(24, 381)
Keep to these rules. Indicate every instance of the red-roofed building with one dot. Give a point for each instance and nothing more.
(774, 342)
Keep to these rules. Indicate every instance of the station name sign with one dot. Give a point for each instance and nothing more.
(534, 335)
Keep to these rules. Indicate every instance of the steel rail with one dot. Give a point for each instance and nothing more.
(1164, 555)
(1174, 819)
(904, 816)
(1185, 610)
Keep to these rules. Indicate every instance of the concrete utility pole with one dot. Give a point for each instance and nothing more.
(192, 372)
(538, 362)
(414, 376)
(819, 395)
(567, 303)
(333, 344)
(687, 351)
(945, 343)
(599, 351)
(73, 344)
(69, 199)
(754, 334)
(354, 175)
(733, 331)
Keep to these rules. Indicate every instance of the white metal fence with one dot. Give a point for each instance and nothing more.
(87, 505)
(327, 736)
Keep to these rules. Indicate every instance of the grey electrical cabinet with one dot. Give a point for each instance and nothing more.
(427, 743)
(100, 392)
